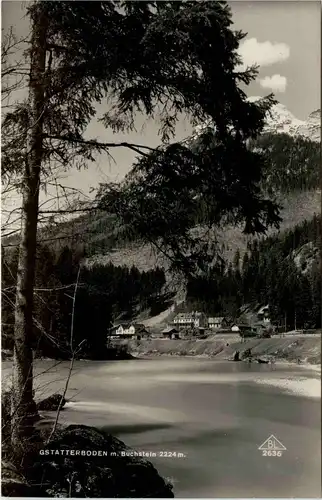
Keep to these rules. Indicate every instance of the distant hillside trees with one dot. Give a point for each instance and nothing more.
(104, 294)
(292, 163)
(268, 275)
(272, 276)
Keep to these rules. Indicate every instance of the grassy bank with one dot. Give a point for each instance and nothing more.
(291, 349)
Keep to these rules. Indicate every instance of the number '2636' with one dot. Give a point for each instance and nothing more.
(272, 453)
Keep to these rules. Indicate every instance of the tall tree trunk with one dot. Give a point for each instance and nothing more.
(22, 390)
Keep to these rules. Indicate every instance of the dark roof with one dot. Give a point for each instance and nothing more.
(115, 327)
(138, 326)
(189, 315)
(263, 309)
(124, 325)
(169, 329)
(216, 319)
(186, 316)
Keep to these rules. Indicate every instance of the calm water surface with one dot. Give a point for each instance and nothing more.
(216, 414)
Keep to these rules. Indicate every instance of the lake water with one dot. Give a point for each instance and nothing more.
(212, 415)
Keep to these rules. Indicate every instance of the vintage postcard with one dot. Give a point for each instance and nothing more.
(160, 252)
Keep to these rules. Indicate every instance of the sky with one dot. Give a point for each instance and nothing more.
(283, 37)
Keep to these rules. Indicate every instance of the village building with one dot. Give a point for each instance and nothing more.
(217, 323)
(240, 327)
(170, 332)
(256, 321)
(190, 320)
(128, 330)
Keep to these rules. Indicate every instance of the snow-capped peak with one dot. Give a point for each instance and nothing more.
(280, 120)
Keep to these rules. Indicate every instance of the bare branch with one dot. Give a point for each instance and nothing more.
(55, 288)
(74, 352)
(13, 72)
(102, 145)
(75, 210)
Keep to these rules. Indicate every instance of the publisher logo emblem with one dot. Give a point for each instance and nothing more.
(272, 447)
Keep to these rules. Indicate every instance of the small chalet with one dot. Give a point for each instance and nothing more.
(128, 330)
(240, 327)
(217, 323)
(170, 333)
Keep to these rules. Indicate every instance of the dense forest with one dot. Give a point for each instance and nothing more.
(282, 271)
(104, 294)
(292, 163)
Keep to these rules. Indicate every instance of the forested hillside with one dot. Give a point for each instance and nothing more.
(291, 176)
(292, 163)
(283, 271)
(123, 278)
(104, 294)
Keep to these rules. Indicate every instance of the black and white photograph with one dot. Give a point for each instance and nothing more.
(161, 257)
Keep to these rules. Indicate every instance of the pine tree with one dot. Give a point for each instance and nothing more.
(82, 53)
(22, 394)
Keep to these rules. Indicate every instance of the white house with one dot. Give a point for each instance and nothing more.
(190, 320)
(242, 327)
(215, 323)
(125, 329)
(183, 320)
(128, 329)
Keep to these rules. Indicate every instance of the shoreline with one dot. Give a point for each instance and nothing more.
(306, 382)
(303, 351)
(278, 361)
(316, 367)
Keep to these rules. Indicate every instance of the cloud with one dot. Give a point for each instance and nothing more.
(262, 53)
(276, 83)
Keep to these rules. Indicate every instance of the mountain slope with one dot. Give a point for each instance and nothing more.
(296, 208)
(105, 240)
(292, 178)
(281, 120)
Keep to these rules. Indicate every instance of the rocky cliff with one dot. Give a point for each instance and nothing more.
(281, 120)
